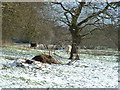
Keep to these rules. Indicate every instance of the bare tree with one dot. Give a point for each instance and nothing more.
(83, 18)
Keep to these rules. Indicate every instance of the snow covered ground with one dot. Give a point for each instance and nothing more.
(88, 72)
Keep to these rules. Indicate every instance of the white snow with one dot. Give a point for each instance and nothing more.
(88, 72)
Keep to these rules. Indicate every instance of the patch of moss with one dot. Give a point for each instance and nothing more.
(10, 58)
(5, 67)
(18, 50)
(85, 66)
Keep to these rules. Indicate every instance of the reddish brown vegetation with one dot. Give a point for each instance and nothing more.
(45, 59)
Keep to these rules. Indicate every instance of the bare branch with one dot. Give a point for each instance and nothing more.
(91, 24)
(96, 14)
(64, 22)
(67, 18)
(91, 31)
(79, 9)
(59, 3)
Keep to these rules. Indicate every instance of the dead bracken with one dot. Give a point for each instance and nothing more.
(46, 59)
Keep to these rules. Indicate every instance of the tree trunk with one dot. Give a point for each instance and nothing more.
(74, 51)
(75, 43)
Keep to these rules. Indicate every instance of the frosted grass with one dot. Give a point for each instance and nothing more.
(88, 72)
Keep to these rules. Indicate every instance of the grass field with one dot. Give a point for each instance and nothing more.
(95, 69)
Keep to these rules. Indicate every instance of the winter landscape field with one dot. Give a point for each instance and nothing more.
(95, 69)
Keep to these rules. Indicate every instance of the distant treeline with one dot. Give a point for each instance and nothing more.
(32, 22)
